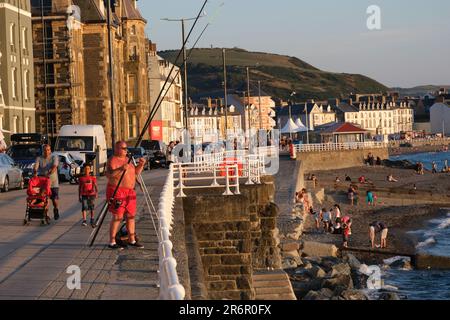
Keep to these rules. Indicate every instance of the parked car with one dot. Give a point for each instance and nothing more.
(141, 153)
(24, 151)
(69, 167)
(156, 151)
(10, 174)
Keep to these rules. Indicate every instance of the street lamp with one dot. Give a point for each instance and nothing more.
(186, 100)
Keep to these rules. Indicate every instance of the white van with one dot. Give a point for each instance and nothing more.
(81, 140)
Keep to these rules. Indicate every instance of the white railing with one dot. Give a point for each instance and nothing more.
(339, 146)
(224, 170)
(169, 285)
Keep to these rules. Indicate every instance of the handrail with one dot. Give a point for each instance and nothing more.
(169, 285)
(339, 146)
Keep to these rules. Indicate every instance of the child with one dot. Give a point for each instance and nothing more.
(346, 230)
(40, 201)
(326, 218)
(87, 193)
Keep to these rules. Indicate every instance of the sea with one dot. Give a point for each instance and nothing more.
(433, 239)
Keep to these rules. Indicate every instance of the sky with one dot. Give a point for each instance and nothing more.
(412, 47)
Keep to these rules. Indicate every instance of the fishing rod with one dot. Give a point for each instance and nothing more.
(155, 107)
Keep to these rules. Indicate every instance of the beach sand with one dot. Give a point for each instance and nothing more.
(400, 219)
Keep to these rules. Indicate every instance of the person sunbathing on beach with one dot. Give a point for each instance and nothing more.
(391, 178)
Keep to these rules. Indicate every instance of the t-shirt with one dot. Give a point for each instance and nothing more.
(326, 216)
(87, 185)
(45, 165)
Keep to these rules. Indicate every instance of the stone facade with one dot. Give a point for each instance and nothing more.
(72, 69)
(234, 236)
(17, 109)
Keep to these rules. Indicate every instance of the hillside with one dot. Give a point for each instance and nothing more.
(279, 75)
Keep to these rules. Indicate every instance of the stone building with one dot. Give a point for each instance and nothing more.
(167, 123)
(72, 66)
(17, 109)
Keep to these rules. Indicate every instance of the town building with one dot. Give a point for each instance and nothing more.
(311, 114)
(17, 107)
(72, 66)
(267, 105)
(378, 118)
(342, 133)
(167, 123)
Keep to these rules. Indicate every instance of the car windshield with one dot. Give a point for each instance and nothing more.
(135, 151)
(75, 144)
(27, 152)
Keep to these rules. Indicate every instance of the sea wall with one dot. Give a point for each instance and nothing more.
(329, 160)
(230, 236)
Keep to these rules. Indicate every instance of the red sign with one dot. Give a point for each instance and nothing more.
(156, 130)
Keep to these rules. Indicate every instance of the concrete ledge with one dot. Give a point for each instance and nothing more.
(425, 262)
(317, 249)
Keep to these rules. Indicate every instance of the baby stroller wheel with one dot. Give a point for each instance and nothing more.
(26, 222)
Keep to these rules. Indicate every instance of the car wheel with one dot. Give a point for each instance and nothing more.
(6, 185)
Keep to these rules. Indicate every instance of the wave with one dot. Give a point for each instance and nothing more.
(444, 224)
(428, 242)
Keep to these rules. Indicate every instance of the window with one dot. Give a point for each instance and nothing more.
(132, 132)
(24, 39)
(133, 30)
(12, 34)
(132, 88)
(15, 124)
(27, 125)
(14, 82)
(26, 89)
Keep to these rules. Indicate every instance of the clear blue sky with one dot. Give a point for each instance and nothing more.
(412, 48)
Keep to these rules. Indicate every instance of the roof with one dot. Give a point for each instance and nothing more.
(130, 12)
(300, 109)
(341, 128)
(89, 10)
(344, 107)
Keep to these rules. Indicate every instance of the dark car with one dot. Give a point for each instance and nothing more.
(156, 151)
(140, 152)
(24, 151)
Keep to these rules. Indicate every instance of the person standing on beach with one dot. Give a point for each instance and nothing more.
(434, 167)
(346, 230)
(370, 198)
(378, 227)
(351, 195)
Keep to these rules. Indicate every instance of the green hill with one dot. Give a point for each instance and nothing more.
(279, 75)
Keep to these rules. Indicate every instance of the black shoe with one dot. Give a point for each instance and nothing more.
(115, 246)
(93, 225)
(56, 214)
(136, 245)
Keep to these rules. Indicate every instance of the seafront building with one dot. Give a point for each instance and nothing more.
(168, 122)
(17, 107)
(70, 39)
(440, 118)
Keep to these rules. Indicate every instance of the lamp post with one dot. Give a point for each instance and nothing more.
(111, 71)
(186, 99)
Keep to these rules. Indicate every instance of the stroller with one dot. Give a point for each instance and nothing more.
(37, 201)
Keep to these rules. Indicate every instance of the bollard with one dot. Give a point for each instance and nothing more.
(237, 191)
(214, 184)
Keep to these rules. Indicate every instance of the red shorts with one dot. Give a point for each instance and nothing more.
(124, 202)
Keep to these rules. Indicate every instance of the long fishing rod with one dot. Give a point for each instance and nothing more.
(156, 106)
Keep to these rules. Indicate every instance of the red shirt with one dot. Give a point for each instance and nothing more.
(87, 186)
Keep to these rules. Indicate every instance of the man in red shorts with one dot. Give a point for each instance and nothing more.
(124, 203)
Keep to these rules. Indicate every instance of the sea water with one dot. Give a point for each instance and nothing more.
(426, 158)
(433, 239)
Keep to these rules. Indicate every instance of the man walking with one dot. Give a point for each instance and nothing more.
(47, 166)
(378, 227)
(124, 203)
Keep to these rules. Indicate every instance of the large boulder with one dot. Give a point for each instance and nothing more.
(401, 264)
(323, 294)
(289, 263)
(340, 269)
(327, 263)
(302, 288)
(352, 261)
(316, 272)
(389, 296)
(354, 295)
(317, 249)
(340, 282)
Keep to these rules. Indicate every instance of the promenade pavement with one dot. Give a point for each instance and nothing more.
(34, 259)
